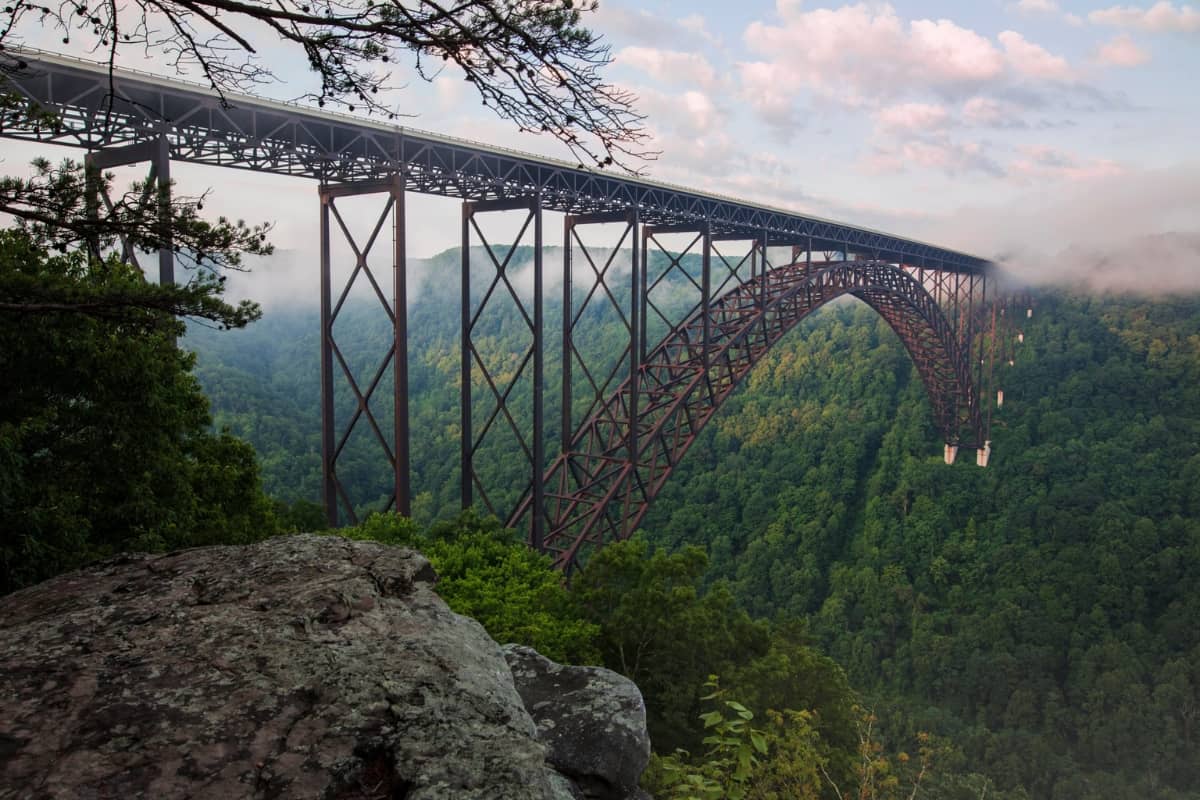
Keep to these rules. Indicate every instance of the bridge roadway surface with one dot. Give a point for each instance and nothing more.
(288, 139)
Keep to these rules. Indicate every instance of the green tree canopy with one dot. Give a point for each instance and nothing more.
(486, 572)
(105, 442)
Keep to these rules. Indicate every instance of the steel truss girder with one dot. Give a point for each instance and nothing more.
(599, 488)
(335, 498)
(97, 108)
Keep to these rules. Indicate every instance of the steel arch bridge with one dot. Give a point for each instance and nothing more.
(624, 424)
(601, 484)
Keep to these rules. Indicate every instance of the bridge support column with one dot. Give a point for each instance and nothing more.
(983, 454)
(157, 152)
(594, 297)
(500, 414)
(339, 506)
(603, 298)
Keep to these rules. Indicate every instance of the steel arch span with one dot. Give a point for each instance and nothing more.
(598, 490)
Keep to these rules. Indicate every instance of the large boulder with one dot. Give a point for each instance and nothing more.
(592, 720)
(300, 667)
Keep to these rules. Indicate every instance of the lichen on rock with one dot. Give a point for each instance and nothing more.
(299, 667)
(592, 721)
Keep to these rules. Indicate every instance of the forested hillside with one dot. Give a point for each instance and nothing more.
(1040, 613)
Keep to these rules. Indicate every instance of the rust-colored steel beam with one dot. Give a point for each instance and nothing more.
(497, 400)
(339, 506)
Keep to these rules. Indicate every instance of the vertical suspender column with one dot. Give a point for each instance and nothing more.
(568, 329)
(637, 334)
(500, 414)
(162, 170)
(464, 389)
(157, 152)
(339, 504)
(400, 355)
(537, 522)
(706, 298)
(328, 486)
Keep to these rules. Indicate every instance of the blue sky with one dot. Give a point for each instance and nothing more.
(1060, 135)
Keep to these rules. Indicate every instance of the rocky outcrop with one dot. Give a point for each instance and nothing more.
(299, 667)
(575, 708)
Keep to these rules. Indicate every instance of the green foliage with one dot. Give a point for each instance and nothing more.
(302, 516)
(798, 766)
(661, 630)
(487, 573)
(733, 752)
(660, 627)
(104, 433)
(1033, 612)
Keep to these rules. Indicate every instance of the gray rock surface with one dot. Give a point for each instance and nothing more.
(592, 720)
(299, 667)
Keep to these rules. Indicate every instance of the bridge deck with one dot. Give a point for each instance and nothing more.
(265, 135)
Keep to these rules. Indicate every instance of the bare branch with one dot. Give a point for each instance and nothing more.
(531, 61)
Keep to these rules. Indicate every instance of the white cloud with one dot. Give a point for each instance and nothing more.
(690, 113)
(912, 117)
(1162, 17)
(668, 66)
(1121, 52)
(697, 24)
(865, 56)
(643, 27)
(1032, 60)
(938, 153)
(988, 112)
(868, 48)
(1037, 6)
(947, 53)
(1041, 161)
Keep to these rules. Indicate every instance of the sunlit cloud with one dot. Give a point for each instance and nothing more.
(1121, 52)
(1031, 60)
(866, 57)
(1042, 161)
(668, 66)
(1162, 17)
(938, 153)
(1037, 6)
(912, 117)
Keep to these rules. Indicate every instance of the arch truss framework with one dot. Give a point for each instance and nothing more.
(627, 416)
